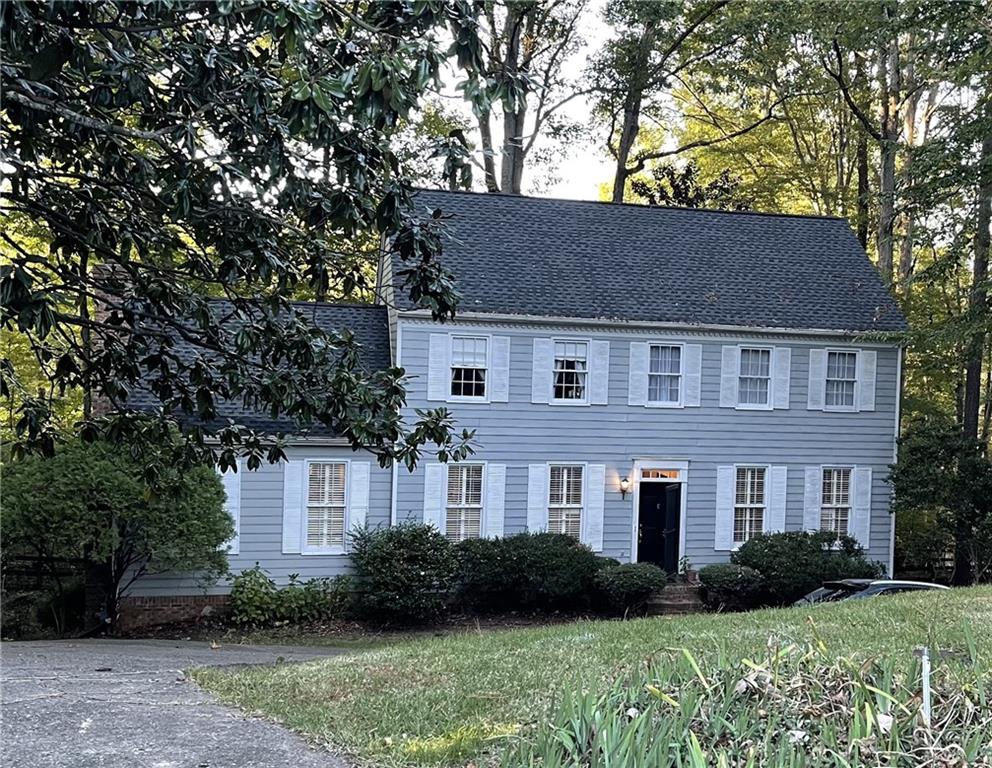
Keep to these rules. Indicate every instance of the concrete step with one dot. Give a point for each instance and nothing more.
(676, 598)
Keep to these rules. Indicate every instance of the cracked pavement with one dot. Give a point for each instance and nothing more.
(127, 704)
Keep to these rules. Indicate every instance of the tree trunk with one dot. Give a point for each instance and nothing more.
(514, 109)
(488, 156)
(888, 69)
(632, 112)
(864, 189)
(909, 132)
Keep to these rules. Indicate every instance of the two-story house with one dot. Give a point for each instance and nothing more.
(660, 383)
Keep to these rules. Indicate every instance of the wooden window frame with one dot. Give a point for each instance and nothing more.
(749, 507)
(331, 549)
(834, 507)
(770, 402)
(487, 368)
(680, 403)
(564, 506)
(587, 374)
(448, 506)
(826, 378)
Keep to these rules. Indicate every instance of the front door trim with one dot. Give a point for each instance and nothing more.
(682, 465)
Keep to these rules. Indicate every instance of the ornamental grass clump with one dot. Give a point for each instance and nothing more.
(796, 707)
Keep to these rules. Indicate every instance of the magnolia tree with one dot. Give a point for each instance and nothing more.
(160, 154)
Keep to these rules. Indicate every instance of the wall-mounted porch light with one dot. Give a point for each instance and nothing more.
(624, 487)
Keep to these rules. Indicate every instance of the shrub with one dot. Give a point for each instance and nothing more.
(625, 588)
(795, 563)
(89, 502)
(253, 598)
(732, 587)
(486, 578)
(404, 574)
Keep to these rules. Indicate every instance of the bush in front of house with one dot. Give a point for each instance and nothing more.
(403, 574)
(625, 588)
(256, 601)
(487, 579)
(795, 563)
(732, 587)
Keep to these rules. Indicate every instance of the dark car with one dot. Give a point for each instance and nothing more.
(855, 589)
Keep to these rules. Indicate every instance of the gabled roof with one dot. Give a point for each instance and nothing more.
(527, 256)
(368, 325)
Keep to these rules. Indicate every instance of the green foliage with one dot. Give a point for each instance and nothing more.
(121, 151)
(487, 579)
(256, 601)
(686, 710)
(404, 574)
(731, 587)
(681, 186)
(947, 478)
(797, 562)
(625, 587)
(89, 503)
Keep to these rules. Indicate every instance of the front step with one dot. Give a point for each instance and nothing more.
(675, 599)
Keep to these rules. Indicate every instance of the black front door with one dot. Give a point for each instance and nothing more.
(658, 525)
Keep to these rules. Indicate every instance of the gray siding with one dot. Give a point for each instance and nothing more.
(261, 529)
(518, 433)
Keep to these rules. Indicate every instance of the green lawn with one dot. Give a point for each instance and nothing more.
(445, 700)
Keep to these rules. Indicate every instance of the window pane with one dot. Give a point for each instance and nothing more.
(665, 359)
(464, 511)
(468, 366)
(570, 370)
(836, 499)
(754, 379)
(842, 373)
(468, 351)
(325, 504)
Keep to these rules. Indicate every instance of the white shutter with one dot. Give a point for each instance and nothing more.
(435, 495)
(867, 363)
(231, 481)
(599, 370)
(812, 497)
(537, 498)
(637, 392)
(729, 371)
(495, 504)
(292, 507)
(438, 367)
(358, 497)
(817, 379)
(692, 375)
(724, 539)
(542, 370)
(775, 521)
(781, 371)
(860, 527)
(499, 370)
(595, 501)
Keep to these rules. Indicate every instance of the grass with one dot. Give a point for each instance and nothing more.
(449, 700)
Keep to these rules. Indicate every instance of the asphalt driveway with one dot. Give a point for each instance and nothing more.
(126, 704)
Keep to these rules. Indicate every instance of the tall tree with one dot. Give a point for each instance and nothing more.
(193, 150)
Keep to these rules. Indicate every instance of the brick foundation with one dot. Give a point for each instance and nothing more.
(136, 612)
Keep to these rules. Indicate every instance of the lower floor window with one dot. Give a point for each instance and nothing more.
(464, 509)
(326, 504)
(749, 503)
(835, 508)
(565, 500)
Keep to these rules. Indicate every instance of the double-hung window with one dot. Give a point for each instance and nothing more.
(842, 376)
(469, 361)
(571, 371)
(835, 506)
(664, 374)
(464, 505)
(749, 503)
(754, 377)
(565, 500)
(326, 503)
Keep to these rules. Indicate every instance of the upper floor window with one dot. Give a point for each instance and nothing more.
(469, 361)
(571, 369)
(842, 375)
(749, 503)
(326, 495)
(835, 507)
(565, 500)
(754, 377)
(464, 502)
(664, 374)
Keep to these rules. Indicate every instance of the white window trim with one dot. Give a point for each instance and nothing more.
(764, 514)
(306, 549)
(482, 497)
(770, 405)
(489, 367)
(648, 403)
(853, 408)
(547, 492)
(850, 496)
(552, 400)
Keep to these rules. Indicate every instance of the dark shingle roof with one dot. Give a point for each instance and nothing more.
(367, 323)
(565, 258)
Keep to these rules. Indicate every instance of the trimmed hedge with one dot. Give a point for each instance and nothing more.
(732, 587)
(256, 601)
(626, 588)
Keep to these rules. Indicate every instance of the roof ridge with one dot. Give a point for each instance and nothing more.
(473, 193)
